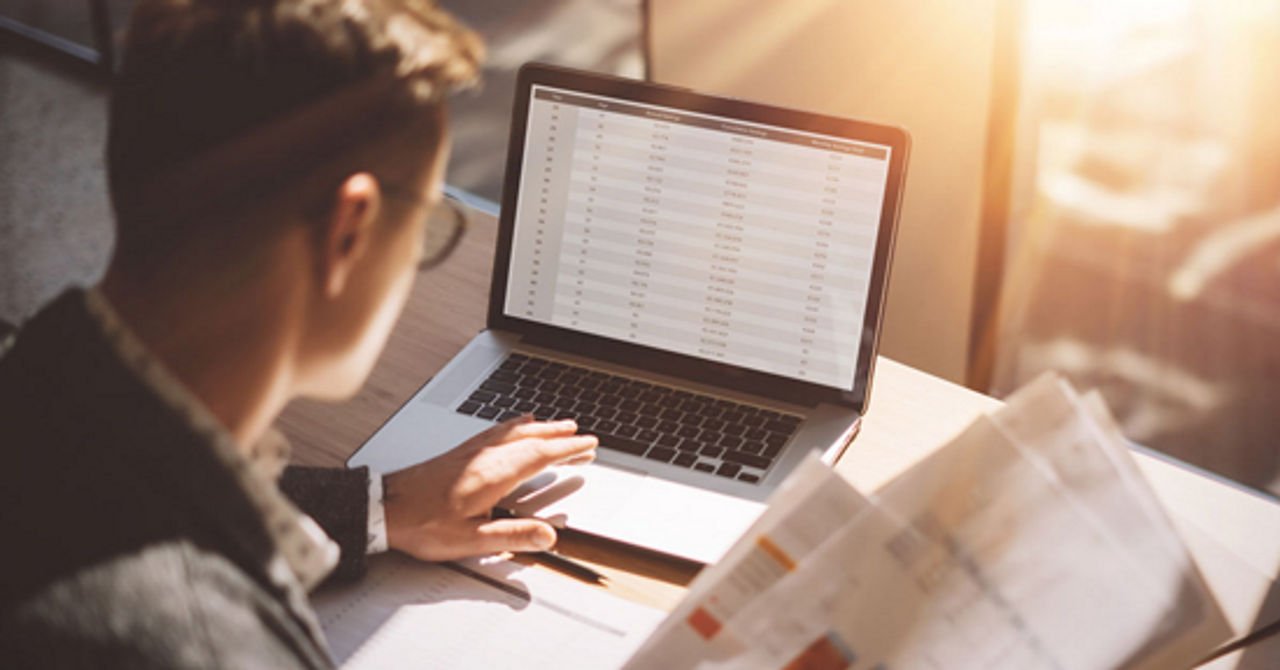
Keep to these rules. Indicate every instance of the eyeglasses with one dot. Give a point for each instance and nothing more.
(446, 222)
(445, 225)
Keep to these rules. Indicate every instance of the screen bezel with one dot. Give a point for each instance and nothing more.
(681, 365)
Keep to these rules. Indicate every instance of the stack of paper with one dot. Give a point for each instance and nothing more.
(1031, 541)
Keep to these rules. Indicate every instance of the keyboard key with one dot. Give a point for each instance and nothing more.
(525, 406)
(589, 384)
(663, 454)
(688, 431)
(504, 376)
(469, 407)
(647, 422)
(690, 445)
(770, 415)
(651, 410)
(550, 387)
(668, 440)
(670, 402)
(610, 400)
(771, 451)
(729, 470)
(606, 412)
(752, 446)
(712, 451)
(488, 412)
(569, 393)
(630, 405)
(775, 440)
(557, 365)
(507, 416)
(711, 412)
(733, 417)
(625, 445)
(586, 423)
(630, 393)
(749, 478)
(753, 420)
(735, 429)
(504, 402)
(544, 412)
(613, 389)
(586, 407)
(511, 364)
(685, 460)
(627, 417)
(647, 436)
(626, 431)
(730, 442)
(684, 395)
(545, 398)
(710, 436)
(650, 396)
(745, 459)
(691, 406)
(505, 388)
(713, 424)
(779, 427)
(668, 426)
(609, 426)
(754, 434)
(483, 396)
(562, 414)
(705, 467)
(671, 415)
(549, 373)
(524, 393)
(691, 419)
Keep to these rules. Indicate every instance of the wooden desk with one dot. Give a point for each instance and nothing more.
(911, 414)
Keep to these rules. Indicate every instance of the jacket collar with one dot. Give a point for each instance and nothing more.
(300, 553)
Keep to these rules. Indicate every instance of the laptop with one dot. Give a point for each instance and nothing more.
(697, 280)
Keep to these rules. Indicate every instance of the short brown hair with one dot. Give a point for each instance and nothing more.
(200, 74)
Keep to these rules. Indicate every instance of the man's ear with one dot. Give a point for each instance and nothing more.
(348, 229)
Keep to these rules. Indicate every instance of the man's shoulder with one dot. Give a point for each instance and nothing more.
(170, 605)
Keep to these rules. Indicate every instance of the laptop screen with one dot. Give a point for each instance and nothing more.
(731, 241)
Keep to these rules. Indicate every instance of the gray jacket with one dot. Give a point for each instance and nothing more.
(127, 541)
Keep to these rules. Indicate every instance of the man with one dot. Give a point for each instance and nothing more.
(272, 164)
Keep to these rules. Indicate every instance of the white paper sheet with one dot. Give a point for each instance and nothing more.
(409, 614)
(1028, 542)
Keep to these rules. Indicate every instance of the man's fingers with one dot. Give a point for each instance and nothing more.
(522, 427)
(514, 535)
(530, 457)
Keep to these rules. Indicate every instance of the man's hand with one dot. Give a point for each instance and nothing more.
(439, 510)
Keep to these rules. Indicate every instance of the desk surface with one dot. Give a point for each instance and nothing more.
(911, 413)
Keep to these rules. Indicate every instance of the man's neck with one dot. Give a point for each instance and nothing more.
(232, 350)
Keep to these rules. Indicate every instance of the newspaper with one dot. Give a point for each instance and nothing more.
(1030, 541)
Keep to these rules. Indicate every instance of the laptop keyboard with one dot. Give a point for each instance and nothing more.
(665, 424)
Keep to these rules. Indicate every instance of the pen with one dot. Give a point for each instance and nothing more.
(556, 561)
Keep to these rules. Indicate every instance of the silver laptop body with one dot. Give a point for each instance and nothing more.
(697, 280)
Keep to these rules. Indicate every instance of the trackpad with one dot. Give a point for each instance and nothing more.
(631, 507)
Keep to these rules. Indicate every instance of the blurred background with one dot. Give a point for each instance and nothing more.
(1094, 186)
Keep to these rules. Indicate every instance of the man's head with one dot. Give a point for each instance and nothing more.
(289, 143)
